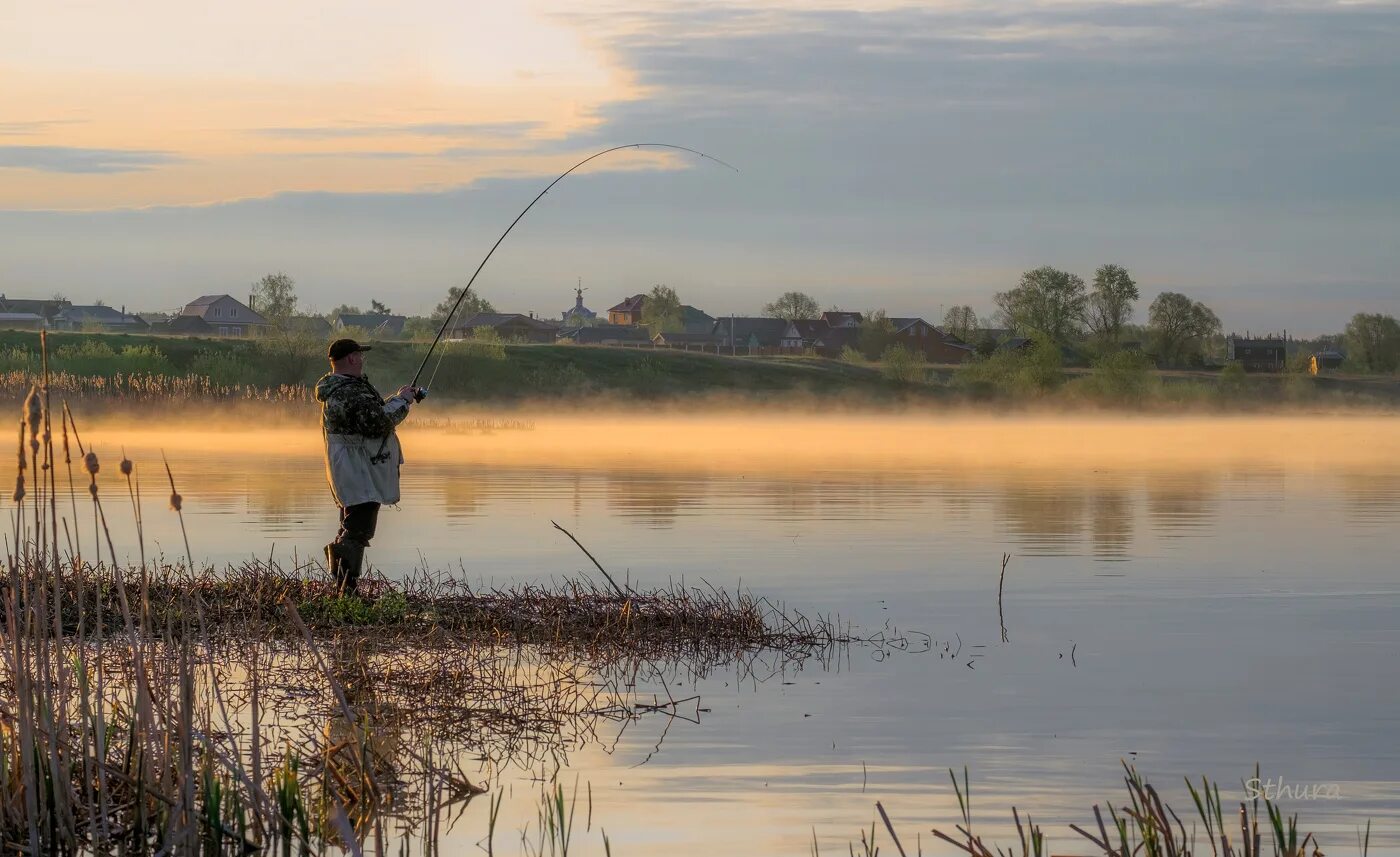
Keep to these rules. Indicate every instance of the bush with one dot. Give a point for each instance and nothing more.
(1123, 376)
(1029, 371)
(146, 359)
(852, 356)
(18, 359)
(898, 363)
(484, 342)
(1232, 377)
(289, 358)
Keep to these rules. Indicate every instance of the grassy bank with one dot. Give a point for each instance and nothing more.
(468, 371)
(103, 369)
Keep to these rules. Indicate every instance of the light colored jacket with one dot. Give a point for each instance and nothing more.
(354, 420)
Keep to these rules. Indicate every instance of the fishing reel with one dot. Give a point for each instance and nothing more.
(419, 394)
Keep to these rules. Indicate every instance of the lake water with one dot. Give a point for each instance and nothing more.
(1193, 596)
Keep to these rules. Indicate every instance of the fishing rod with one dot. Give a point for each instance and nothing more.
(421, 393)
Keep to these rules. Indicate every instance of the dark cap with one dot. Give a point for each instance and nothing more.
(342, 348)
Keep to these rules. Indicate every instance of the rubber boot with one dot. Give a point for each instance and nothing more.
(335, 564)
(352, 558)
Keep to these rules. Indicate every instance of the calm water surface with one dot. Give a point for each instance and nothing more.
(1191, 619)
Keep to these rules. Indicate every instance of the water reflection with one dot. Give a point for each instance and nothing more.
(1237, 579)
(1033, 512)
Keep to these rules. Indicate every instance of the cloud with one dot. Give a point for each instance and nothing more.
(69, 159)
(23, 129)
(903, 157)
(501, 130)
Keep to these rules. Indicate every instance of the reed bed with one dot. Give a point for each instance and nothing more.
(1142, 824)
(573, 615)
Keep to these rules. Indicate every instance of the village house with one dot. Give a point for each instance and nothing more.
(376, 325)
(309, 325)
(837, 319)
(99, 317)
(30, 313)
(509, 326)
(630, 312)
(627, 312)
(629, 335)
(919, 336)
(834, 340)
(1257, 354)
(225, 316)
(803, 333)
(684, 341)
(1326, 361)
(750, 334)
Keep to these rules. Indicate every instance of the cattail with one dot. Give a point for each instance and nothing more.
(34, 411)
(19, 487)
(176, 502)
(126, 464)
(23, 462)
(90, 463)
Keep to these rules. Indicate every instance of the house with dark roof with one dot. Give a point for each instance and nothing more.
(686, 341)
(832, 341)
(750, 334)
(696, 321)
(183, 325)
(225, 315)
(509, 326)
(99, 317)
(630, 335)
(376, 325)
(836, 318)
(309, 325)
(937, 345)
(803, 333)
(18, 309)
(1257, 354)
(21, 321)
(627, 312)
(630, 312)
(1326, 361)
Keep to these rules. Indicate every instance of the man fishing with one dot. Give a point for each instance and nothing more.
(362, 454)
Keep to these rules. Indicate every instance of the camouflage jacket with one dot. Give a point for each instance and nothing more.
(351, 406)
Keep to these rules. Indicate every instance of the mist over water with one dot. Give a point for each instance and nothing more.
(1194, 595)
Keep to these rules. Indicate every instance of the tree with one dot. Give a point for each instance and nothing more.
(1179, 325)
(276, 297)
(471, 305)
(1373, 341)
(661, 311)
(960, 321)
(898, 363)
(792, 306)
(343, 309)
(876, 334)
(377, 307)
(1110, 304)
(1047, 301)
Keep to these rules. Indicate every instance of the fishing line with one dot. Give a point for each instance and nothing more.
(383, 454)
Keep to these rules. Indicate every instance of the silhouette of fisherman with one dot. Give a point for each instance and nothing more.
(356, 422)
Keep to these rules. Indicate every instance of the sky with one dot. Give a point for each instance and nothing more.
(909, 156)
